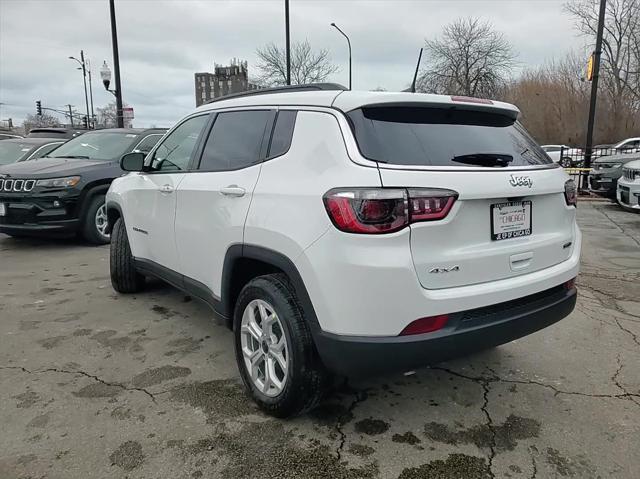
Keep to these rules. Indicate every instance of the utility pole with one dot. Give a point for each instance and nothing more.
(415, 75)
(594, 90)
(288, 40)
(70, 115)
(349, 44)
(84, 77)
(91, 94)
(116, 64)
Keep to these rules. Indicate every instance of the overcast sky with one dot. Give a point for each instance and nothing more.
(162, 43)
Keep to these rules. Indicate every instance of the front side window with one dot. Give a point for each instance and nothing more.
(175, 151)
(147, 143)
(96, 146)
(45, 150)
(235, 140)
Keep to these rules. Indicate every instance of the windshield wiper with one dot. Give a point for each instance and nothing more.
(74, 157)
(484, 159)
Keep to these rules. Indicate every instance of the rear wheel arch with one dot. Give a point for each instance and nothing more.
(243, 263)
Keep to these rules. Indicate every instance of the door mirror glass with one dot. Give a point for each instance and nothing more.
(132, 161)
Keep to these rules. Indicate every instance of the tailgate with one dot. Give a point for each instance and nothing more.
(505, 223)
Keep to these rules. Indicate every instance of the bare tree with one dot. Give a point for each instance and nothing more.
(307, 65)
(620, 61)
(470, 58)
(107, 117)
(40, 121)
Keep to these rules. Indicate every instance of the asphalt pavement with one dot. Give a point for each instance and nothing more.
(99, 385)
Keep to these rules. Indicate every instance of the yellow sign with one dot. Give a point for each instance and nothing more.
(590, 67)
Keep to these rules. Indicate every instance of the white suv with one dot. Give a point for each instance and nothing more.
(350, 232)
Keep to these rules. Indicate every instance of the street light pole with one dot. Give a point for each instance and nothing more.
(116, 64)
(594, 89)
(349, 43)
(287, 40)
(84, 78)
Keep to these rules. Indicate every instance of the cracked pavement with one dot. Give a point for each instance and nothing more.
(94, 384)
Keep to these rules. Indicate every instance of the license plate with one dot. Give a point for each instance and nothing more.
(3, 209)
(510, 220)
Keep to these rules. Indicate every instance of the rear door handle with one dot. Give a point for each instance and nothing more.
(166, 189)
(233, 190)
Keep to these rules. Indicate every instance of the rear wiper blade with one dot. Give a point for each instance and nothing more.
(484, 159)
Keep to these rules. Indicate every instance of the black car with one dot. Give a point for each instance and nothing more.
(14, 150)
(63, 193)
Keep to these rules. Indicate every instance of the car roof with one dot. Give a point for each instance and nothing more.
(634, 138)
(34, 141)
(50, 132)
(618, 157)
(351, 100)
(130, 131)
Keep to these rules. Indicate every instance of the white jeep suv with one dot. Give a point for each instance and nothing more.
(343, 232)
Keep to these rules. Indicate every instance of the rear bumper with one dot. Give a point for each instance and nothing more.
(465, 333)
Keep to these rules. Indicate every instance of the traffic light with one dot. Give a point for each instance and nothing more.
(38, 108)
(85, 122)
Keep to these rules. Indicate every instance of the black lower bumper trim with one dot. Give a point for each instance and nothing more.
(54, 228)
(362, 356)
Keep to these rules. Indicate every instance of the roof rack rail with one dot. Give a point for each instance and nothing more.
(282, 89)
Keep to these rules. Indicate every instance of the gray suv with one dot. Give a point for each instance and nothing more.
(603, 178)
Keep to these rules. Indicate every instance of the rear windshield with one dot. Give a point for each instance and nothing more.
(96, 146)
(443, 137)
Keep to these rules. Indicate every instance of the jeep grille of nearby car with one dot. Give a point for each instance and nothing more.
(15, 186)
(630, 174)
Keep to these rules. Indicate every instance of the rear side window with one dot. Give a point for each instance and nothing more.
(282, 133)
(235, 140)
(419, 136)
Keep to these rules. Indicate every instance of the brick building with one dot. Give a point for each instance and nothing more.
(224, 80)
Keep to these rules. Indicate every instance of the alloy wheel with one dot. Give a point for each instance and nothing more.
(264, 347)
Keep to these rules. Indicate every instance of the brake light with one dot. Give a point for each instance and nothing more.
(470, 99)
(569, 285)
(571, 193)
(385, 210)
(425, 325)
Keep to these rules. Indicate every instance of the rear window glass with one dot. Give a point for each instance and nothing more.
(418, 136)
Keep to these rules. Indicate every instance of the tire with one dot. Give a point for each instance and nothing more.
(565, 162)
(124, 277)
(97, 211)
(305, 380)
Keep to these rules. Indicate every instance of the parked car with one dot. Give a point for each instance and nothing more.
(628, 194)
(7, 136)
(570, 156)
(605, 172)
(630, 145)
(350, 232)
(49, 132)
(23, 149)
(63, 193)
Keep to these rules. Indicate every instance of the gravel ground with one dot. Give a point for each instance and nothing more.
(93, 384)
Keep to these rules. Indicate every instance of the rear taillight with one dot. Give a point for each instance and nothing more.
(425, 325)
(569, 285)
(571, 193)
(385, 210)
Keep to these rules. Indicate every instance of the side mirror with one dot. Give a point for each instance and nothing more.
(132, 161)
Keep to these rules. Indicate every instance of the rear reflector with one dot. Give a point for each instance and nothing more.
(385, 210)
(426, 325)
(569, 285)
